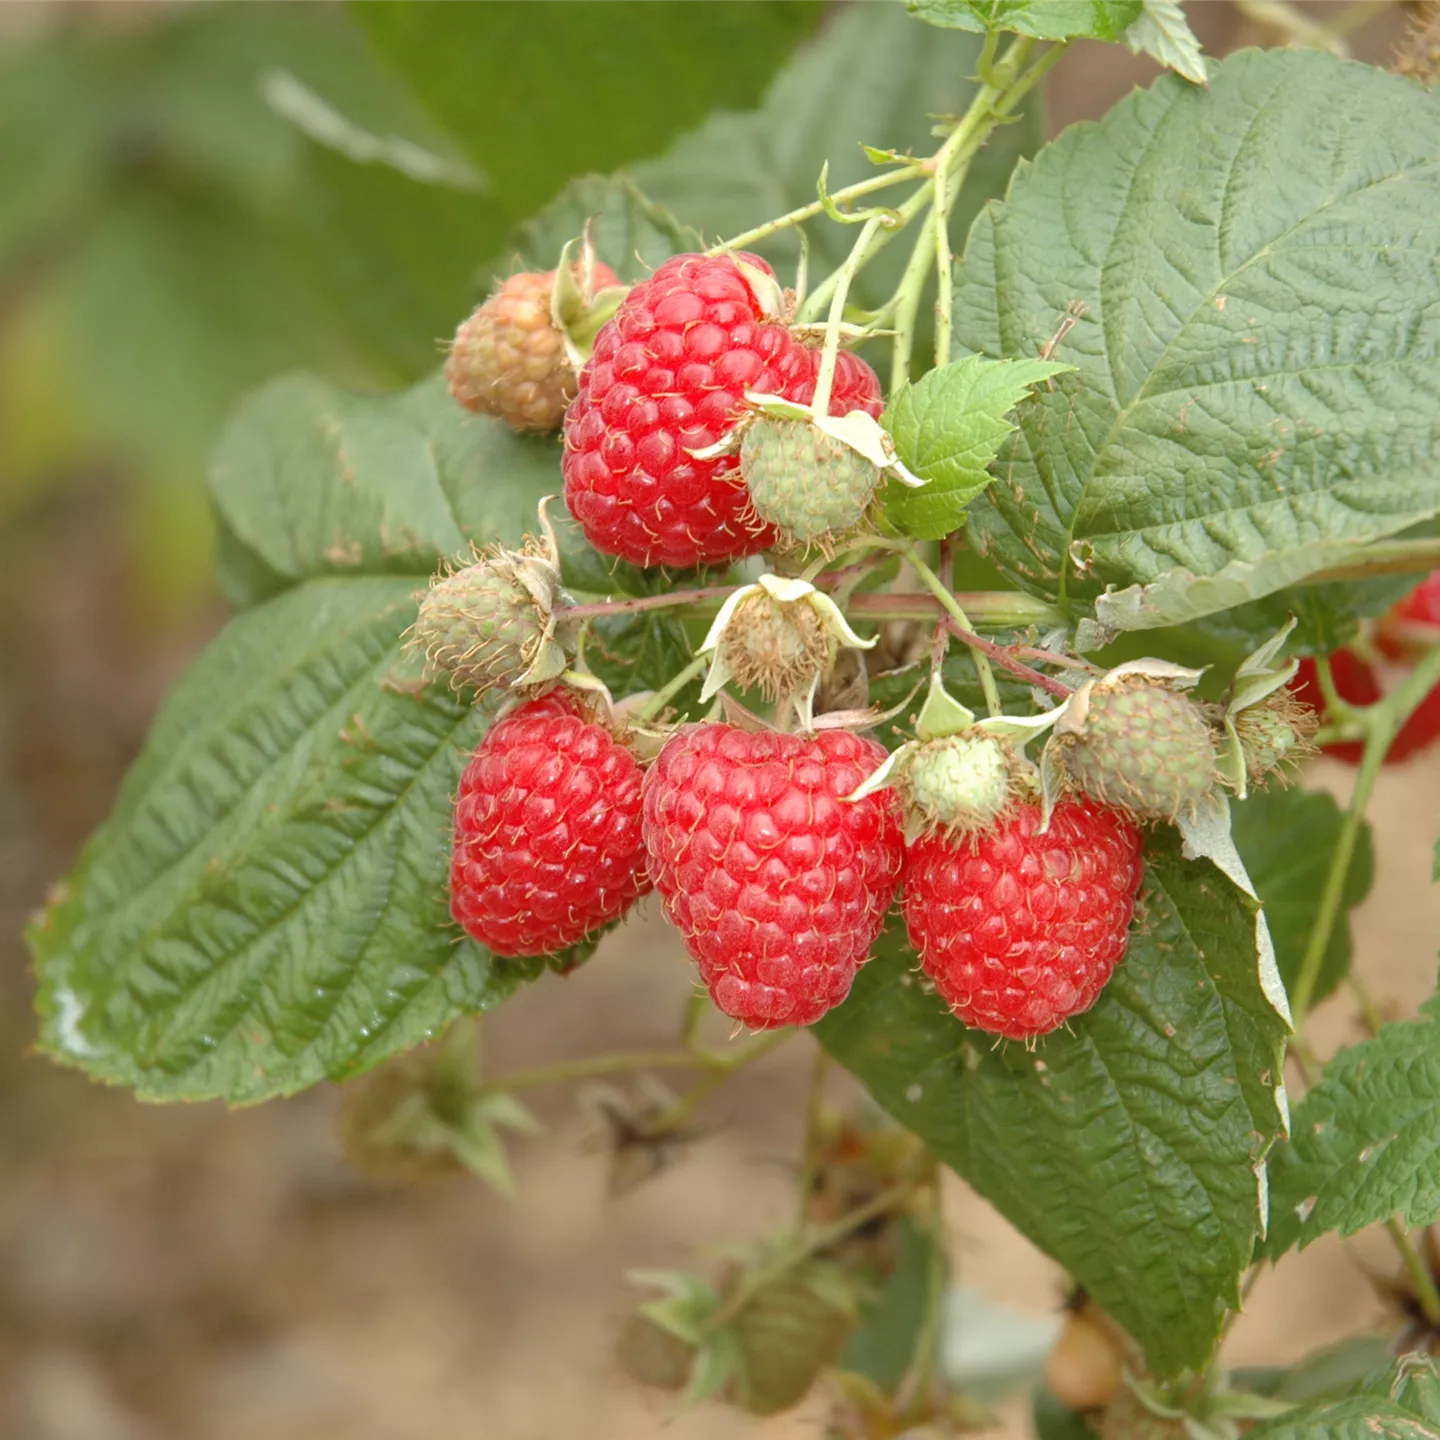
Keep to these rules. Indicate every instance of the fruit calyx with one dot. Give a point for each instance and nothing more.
(778, 636)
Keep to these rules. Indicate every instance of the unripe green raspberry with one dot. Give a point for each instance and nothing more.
(1275, 733)
(960, 783)
(495, 622)
(811, 487)
(509, 358)
(1142, 748)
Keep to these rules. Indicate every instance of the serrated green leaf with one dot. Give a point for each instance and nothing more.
(947, 428)
(1162, 32)
(1355, 1419)
(1288, 875)
(572, 69)
(1044, 19)
(1363, 1140)
(1255, 337)
(310, 480)
(1150, 1118)
(266, 906)
(631, 233)
(870, 76)
(1412, 1382)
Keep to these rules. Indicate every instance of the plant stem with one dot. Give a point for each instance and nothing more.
(1002, 609)
(949, 603)
(563, 1071)
(1007, 660)
(1426, 1294)
(821, 1239)
(944, 291)
(1383, 722)
(816, 207)
(720, 1069)
(633, 606)
(847, 272)
(667, 692)
(917, 1385)
(814, 1114)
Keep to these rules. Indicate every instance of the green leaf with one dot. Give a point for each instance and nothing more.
(1412, 1383)
(1148, 1119)
(539, 93)
(1363, 1140)
(312, 480)
(1056, 1421)
(882, 1345)
(266, 906)
(870, 77)
(1386, 1409)
(631, 233)
(1349, 1420)
(1289, 875)
(1162, 32)
(1256, 393)
(1044, 19)
(947, 428)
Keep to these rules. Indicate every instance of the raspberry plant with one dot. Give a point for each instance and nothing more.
(1159, 422)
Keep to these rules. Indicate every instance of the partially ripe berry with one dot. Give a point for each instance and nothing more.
(1139, 746)
(1020, 930)
(1085, 1367)
(547, 831)
(778, 885)
(667, 378)
(811, 487)
(509, 359)
(960, 783)
(496, 621)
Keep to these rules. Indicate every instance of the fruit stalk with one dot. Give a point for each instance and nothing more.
(1426, 1295)
(1382, 722)
(952, 606)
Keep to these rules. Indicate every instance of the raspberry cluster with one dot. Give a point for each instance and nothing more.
(777, 853)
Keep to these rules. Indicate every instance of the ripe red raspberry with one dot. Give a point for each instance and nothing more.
(777, 884)
(1019, 930)
(547, 831)
(1357, 682)
(667, 376)
(508, 359)
(1412, 626)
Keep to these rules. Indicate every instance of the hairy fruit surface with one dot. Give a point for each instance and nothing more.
(508, 359)
(777, 884)
(547, 831)
(1020, 930)
(1275, 734)
(668, 377)
(960, 783)
(811, 487)
(494, 622)
(1143, 748)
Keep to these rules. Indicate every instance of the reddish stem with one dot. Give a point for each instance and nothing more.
(1002, 657)
(649, 602)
